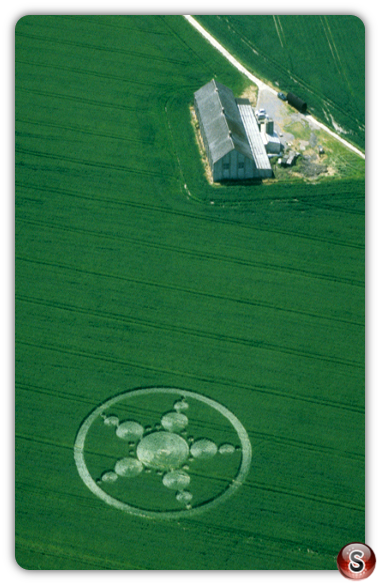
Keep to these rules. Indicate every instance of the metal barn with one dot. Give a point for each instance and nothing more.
(230, 134)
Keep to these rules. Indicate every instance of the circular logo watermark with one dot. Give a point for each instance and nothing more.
(162, 452)
(356, 561)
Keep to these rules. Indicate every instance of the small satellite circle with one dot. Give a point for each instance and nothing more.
(165, 449)
(129, 430)
(128, 467)
(203, 449)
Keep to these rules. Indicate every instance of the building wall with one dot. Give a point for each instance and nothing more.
(234, 166)
(271, 141)
(217, 172)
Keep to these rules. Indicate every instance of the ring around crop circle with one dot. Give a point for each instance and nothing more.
(246, 454)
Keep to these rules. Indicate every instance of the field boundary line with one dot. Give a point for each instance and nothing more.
(80, 130)
(321, 449)
(299, 272)
(89, 163)
(182, 289)
(278, 31)
(115, 27)
(53, 393)
(312, 497)
(260, 537)
(330, 42)
(137, 54)
(264, 228)
(296, 494)
(185, 330)
(264, 437)
(53, 550)
(185, 374)
(41, 440)
(85, 101)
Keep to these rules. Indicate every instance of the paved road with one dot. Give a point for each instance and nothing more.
(260, 84)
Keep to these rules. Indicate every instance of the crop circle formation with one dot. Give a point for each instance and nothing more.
(172, 459)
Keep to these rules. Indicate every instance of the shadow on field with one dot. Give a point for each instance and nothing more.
(238, 182)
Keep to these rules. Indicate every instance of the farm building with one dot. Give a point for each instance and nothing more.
(297, 103)
(230, 134)
(269, 136)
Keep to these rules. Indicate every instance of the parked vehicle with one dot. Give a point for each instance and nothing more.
(282, 96)
(261, 114)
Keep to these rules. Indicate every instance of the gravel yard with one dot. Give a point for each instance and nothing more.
(297, 132)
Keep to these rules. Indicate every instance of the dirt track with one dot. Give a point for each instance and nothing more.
(263, 87)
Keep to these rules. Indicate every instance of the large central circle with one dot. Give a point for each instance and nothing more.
(162, 450)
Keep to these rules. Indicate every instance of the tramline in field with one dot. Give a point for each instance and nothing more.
(128, 279)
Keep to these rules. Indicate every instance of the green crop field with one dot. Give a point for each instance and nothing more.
(318, 57)
(132, 273)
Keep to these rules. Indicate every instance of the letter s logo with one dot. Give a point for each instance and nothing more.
(356, 565)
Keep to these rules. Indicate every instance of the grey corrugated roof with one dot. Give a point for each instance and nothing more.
(221, 120)
(253, 132)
